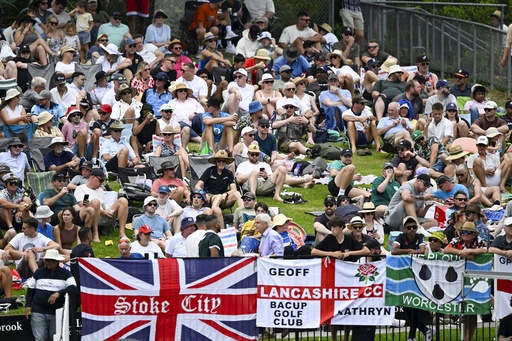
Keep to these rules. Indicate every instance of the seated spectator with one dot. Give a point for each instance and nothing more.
(114, 30)
(242, 148)
(29, 98)
(76, 132)
(11, 111)
(45, 104)
(488, 196)
(143, 130)
(328, 38)
(15, 159)
(195, 83)
(412, 95)
(217, 127)
(293, 244)
(96, 199)
(208, 19)
(406, 162)
(27, 247)
(59, 160)
(348, 47)
(443, 96)
(54, 34)
(187, 112)
(457, 157)
(110, 95)
(62, 95)
(502, 244)
(101, 128)
(27, 35)
(321, 224)
(240, 94)
(295, 35)
(392, 128)
(342, 174)
(103, 85)
(145, 245)
(159, 94)
(124, 246)
(248, 44)
(383, 188)
(266, 42)
(373, 52)
(290, 128)
(18, 67)
(131, 54)
(489, 120)
(197, 205)
(271, 242)
(293, 58)
(168, 208)
(258, 65)
(487, 166)
(66, 65)
(176, 47)
(422, 65)
(44, 216)
(289, 90)
(371, 76)
(116, 151)
(159, 227)
(361, 127)
(219, 182)
(285, 74)
(460, 125)
(372, 224)
(385, 90)
(410, 200)
(179, 190)
(251, 120)
(83, 177)
(210, 57)
(476, 106)
(14, 206)
(168, 148)
(176, 245)
(346, 75)
(142, 80)
(245, 213)
(266, 141)
(66, 232)
(462, 87)
(96, 51)
(127, 107)
(158, 33)
(447, 189)
(320, 83)
(113, 61)
(167, 67)
(149, 52)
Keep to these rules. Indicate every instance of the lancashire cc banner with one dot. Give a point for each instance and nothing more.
(308, 293)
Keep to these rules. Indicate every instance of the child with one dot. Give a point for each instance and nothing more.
(84, 25)
(39, 26)
(71, 39)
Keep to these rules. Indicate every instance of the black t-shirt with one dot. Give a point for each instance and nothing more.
(330, 243)
(411, 164)
(104, 127)
(146, 134)
(82, 250)
(135, 62)
(171, 73)
(24, 78)
(406, 244)
(505, 328)
(215, 183)
(501, 243)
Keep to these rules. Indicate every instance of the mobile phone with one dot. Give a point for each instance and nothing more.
(86, 197)
(262, 169)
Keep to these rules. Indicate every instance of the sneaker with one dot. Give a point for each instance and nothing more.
(309, 153)
(230, 35)
(398, 323)
(231, 49)
(429, 334)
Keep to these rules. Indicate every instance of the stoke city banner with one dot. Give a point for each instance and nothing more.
(434, 282)
(309, 292)
(503, 287)
(169, 299)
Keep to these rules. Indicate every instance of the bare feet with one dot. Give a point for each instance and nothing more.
(310, 184)
(277, 198)
(311, 142)
(290, 156)
(96, 239)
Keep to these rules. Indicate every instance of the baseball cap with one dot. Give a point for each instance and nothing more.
(59, 176)
(263, 121)
(490, 105)
(333, 76)
(86, 165)
(60, 78)
(442, 83)
(387, 165)
(323, 68)
(250, 195)
(98, 173)
(508, 221)
(118, 77)
(284, 68)
(372, 62)
(145, 229)
(106, 108)
(240, 71)
(416, 135)
(421, 59)
(247, 130)
(164, 189)
(462, 73)
(130, 41)
(451, 106)
(482, 140)
(186, 222)
(348, 31)
(425, 178)
(442, 179)
(346, 151)
(330, 200)
(405, 144)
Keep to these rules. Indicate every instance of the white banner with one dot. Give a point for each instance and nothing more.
(503, 287)
(308, 293)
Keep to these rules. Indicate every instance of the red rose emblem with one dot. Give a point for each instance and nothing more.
(367, 269)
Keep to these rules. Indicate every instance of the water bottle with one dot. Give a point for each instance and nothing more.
(296, 171)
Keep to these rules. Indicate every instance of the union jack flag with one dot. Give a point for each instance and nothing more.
(169, 299)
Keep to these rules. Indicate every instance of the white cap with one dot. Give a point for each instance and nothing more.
(247, 130)
(241, 71)
(482, 140)
(508, 221)
(148, 200)
(265, 34)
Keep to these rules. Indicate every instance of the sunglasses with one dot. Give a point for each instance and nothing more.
(334, 57)
(117, 18)
(168, 111)
(210, 41)
(116, 130)
(167, 134)
(171, 60)
(126, 93)
(197, 197)
(368, 213)
(289, 107)
(248, 199)
(466, 233)
(373, 47)
(461, 199)
(183, 70)
(411, 227)
(17, 146)
(264, 126)
(13, 183)
(307, 20)
(75, 114)
(486, 110)
(425, 64)
(182, 90)
(177, 48)
(254, 154)
(239, 76)
(99, 179)
(159, 17)
(152, 204)
(132, 45)
(329, 205)
(434, 240)
(268, 82)
(251, 135)
(460, 174)
(372, 231)
(60, 180)
(147, 69)
(358, 227)
(290, 89)
(54, 23)
(222, 161)
(104, 40)
(301, 83)
(287, 71)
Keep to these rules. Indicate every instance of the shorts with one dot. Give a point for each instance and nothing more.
(3, 225)
(361, 139)
(394, 217)
(137, 7)
(112, 165)
(284, 146)
(192, 131)
(390, 138)
(352, 19)
(265, 187)
(85, 37)
(88, 150)
(439, 166)
(335, 190)
(106, 221)
(241, 112)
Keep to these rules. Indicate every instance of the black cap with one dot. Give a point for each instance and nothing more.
(348, 31)
(421, 59)
(330, 200)
(214, 102)
(115, 14)
(320, 56)
(100, 75)
(442, 179)
(346, 151)
(99, 173)
(59, 176)
(60, 78)
(263, 121)
(86, 165)
(24, 48)
(508, 104)
(425, 178)
(405, 144)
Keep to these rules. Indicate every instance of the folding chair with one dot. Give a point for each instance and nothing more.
(156, 163)
(39, 148)
(36, 70)
(187, 36)
(90, 72)
(38, 182)
(135, 182)
(198, 165)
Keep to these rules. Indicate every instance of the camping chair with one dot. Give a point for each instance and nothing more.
(39, 148)
(219, 74)
(198, 165)
(189, 36)
(38, 182)
(36, 70)
(135, 182)
(156, 163)
(90, 72)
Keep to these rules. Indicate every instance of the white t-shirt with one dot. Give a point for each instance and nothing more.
(150, 250)
(183, 109)
(441, 130)
(23, 243)
(302, 107)
(359, 125)
(105, 64)
(198, 86)
(82, 190)
(109, 97)
(258, 8)
(148, 53)
(245, 168)
(491, 160)
(192, 243)
(65, 68)
(247, 94)
(291, 33)
(69, 98)
(167, 208)
(175, 246)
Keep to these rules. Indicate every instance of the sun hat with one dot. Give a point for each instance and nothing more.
(15, 141)
(255, 106)
(265, 78)
(56, 140)
(168, 130)
(166, 165)
(280, 219)
(111, 49)
(221, 154)
(472, 208)
(254, 148)
(492, 132)
(44, 117)
(11, 93)
(181, 86)
(262, 54)
(116, 125)
(394, 69)
(297, 80)
(148, 200)
(469, 226)
(176, 41)
(209, 36)
(43, 211)
(291, 53)
(368, 207)
(355, 221)
(409, 217)
(456, 152)
(326, 27)
(123, 87)
(53, 255)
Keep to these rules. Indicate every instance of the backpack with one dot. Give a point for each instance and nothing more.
(326, 151)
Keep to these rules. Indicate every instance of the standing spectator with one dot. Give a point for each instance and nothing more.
(99, 17)
(211, 244)
(208, 19)
(271, 242)
(176, 245)
(158, 33)
(137, 9)
(84, 25)
(46, 293)
(352, 17)
(114, 30)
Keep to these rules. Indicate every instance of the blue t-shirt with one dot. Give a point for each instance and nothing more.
(445, 195)
(158, 225)
(217, 128)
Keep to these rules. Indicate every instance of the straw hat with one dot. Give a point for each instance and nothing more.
(368, 207)
(221, 154)
(123, 87)
(44, 117)
(356, 221)
(54, 255)
(296, 80)
(469, 226)
(181, 86)
(456, 152)
(262, 54)
(209, 36)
